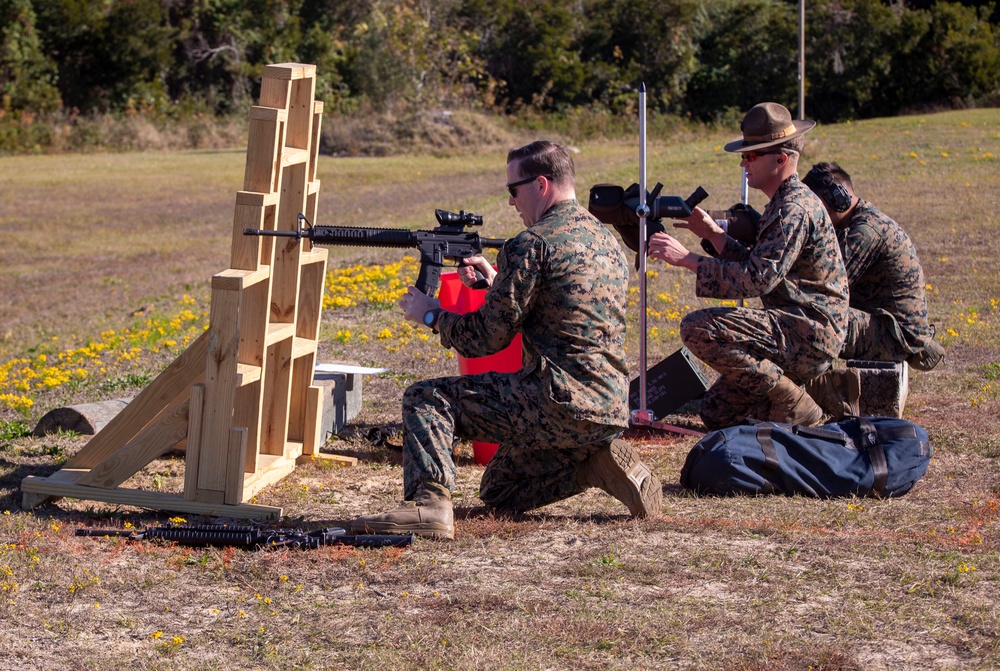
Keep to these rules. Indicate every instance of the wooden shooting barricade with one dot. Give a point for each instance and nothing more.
(241, 398)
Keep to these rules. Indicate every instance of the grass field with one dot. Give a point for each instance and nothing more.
(104, 276)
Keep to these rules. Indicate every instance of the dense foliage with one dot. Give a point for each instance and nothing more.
(706, 59)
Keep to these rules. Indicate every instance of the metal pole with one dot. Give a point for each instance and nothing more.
(745, 199)
(642, 414)
(802, 59)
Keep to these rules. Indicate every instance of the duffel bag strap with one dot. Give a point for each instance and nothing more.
(880, 468)
(767, 445)
(819, 432)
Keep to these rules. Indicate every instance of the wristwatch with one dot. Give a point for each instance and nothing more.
(431, 318)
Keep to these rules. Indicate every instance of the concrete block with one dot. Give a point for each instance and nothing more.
(884, 387)
(341, 400)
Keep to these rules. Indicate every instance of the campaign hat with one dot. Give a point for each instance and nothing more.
(767, 125)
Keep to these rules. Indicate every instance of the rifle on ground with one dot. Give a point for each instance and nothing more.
(449, 240)
(224, 535)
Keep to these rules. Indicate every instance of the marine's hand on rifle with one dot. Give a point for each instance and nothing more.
(701, 224)
(467, 271)
(704, 226)
(416, 304)
(668, 249)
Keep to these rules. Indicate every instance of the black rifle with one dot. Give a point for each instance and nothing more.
(618, 206)
(224, 535)
(449, 240)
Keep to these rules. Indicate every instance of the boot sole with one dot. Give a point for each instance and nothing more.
(436, 532)
(643, 494)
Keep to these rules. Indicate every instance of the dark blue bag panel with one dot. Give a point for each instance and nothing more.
(862, 456)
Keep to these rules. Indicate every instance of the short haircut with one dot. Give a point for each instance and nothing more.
(794, 146)
(544, 157)
(838, 174)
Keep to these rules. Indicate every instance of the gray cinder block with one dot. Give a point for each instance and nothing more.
(341, 400)
(884, 386)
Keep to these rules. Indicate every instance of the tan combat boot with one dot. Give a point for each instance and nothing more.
(428, 514)
(927, 358)
(617, 470)
(837, 391)
(790, 404)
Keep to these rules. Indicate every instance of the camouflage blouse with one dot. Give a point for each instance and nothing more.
(562, 284)
(794, 267)
(884, 272)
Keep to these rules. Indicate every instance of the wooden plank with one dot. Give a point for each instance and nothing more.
(285, 272)
(301, 115)
(144, 408)
(196, 410)
(268, 115)
(254, 329)
(237, 457)
(274, 92)
(277, 383)
(317, 126)
(279, 332)
(312, 284)
(289, 70)
(311, 438)
(249, 401)
(63, 483)
(152, 442)
(298, 402)
(220, 389)
(292, 156)
(303, 347)
(340, 460)
(275, 470)
(317, 255)
(256, 198)
(247, 374)
(266, 139)
(210, 496)
(245, 250)
(235, 279)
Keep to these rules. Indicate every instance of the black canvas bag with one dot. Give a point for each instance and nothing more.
(862, 456)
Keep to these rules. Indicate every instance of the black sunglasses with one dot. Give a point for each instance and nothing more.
(512, 187)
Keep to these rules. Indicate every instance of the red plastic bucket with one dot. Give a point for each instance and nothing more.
(456, 297)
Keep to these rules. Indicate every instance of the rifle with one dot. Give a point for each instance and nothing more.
(224, 535)
(449, 240)
(618, 206)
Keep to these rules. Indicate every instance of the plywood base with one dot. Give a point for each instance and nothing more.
(63, 484)
(339, 459)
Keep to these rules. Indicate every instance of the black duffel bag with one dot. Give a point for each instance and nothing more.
(860, 456)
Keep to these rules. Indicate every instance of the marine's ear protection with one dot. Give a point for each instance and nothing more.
(834, 195)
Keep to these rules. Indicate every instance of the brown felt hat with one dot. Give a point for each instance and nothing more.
(766, 125)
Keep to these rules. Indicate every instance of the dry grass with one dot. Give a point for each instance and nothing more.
(754, 584)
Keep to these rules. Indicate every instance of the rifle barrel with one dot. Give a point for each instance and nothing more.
(275, 234)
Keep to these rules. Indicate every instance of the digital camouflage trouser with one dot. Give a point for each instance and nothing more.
(878, 337)
(751, 349)
(872, 338)
(541, 447)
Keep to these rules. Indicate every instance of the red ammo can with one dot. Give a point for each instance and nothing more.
(456, 297)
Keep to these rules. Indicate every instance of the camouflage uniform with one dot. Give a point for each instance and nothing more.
(796, 269)
(888, 316)
(562, 284)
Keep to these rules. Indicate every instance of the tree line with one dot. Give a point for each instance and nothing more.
(702, 59)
